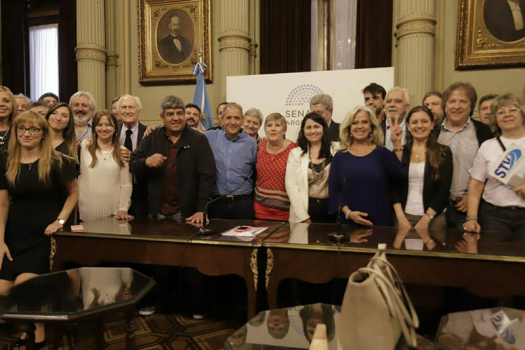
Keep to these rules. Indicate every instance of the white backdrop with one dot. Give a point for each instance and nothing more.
(289, 94)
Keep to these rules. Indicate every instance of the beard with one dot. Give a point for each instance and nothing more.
(81, 119)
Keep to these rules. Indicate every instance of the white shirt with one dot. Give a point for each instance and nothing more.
(416, 173)
(516, 14)
(134, 135)
(103, 189)
(495, 193)
(388, 142)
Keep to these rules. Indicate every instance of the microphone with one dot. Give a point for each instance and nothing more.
(339, 236)
(204, 230)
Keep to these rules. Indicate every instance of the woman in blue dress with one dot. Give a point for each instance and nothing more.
(363, 172)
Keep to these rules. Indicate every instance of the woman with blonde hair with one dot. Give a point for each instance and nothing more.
(100, 159)
(363, 172)
(32, 175)
(271, 201)
(8, 112)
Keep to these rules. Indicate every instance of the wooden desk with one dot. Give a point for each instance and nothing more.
(489, 265)
(164, 243)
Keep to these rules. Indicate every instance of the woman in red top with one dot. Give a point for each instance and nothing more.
(271, 200)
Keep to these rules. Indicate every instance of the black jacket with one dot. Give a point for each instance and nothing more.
(435, 192)
(195, 166)
(334, 131)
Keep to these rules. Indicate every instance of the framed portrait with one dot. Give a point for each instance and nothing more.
(491, 33)
(172, 36)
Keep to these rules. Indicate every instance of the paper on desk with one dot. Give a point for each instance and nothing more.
(253, 232)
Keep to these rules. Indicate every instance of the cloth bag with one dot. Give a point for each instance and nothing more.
(376, 309)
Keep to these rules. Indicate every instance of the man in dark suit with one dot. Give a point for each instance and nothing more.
(174, 48)
(323, 105)
(505, 19)
(131, 132)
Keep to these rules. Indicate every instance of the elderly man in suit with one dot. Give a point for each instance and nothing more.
(131, 132)
(323, 105)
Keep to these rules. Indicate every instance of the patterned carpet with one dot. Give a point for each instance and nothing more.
(159, 331)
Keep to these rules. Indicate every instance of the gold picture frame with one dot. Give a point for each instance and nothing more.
(488, 34)
(172, 35)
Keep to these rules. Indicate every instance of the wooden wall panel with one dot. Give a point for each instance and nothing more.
(67, 38)
(285, 36)
(15, 47)
(374, 33)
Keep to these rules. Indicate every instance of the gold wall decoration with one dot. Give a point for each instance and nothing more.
(172, 35)
(489, 35)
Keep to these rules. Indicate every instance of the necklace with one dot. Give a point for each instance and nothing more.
(31, 165)
(3, 135)
(105, 154)
(274, 152)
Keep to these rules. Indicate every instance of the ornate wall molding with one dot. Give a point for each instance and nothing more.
(91, 53)
(234, 41)
(112, 59)
(416, 25)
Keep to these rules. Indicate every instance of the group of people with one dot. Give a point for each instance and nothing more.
(385, 164)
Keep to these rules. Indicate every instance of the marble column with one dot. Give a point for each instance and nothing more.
(91, 49)
(111, 49)
(234, 40)
(415, 41)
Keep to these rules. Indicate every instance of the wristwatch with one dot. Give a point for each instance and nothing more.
(61, 221)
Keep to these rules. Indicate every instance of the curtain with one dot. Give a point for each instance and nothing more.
(345, 26)
(43, 60)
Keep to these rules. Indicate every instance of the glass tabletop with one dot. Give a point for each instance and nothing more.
(496, 328)
(449, 243)
(168, 230)
(290, 328)
(75, 293)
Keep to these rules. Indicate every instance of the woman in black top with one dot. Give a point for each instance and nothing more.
(420, 199)
(30, 180)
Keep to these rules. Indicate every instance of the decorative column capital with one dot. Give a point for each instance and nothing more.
(112, 59)
(91, 52)
(416, 24)
(234, 40)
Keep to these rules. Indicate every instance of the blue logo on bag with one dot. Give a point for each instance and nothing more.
(503, 168)
(504, 333)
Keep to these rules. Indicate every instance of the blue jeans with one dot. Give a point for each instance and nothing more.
(159, 216)
(504, 220)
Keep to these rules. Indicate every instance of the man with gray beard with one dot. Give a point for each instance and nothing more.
(83, 106)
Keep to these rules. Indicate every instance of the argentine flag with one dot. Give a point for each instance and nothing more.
(201, 96)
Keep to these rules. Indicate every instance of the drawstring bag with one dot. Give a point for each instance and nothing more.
(376, 309)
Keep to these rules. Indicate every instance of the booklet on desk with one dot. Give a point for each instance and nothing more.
(244, 231)
(510, 169)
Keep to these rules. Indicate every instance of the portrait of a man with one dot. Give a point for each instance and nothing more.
(175, 48)
(505, 19)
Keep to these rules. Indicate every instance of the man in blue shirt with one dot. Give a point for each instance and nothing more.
(235, 154)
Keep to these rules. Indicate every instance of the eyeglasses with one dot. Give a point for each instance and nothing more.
(22, 130)
(502, 112)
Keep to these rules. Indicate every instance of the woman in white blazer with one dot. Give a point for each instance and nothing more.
(307, 172)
